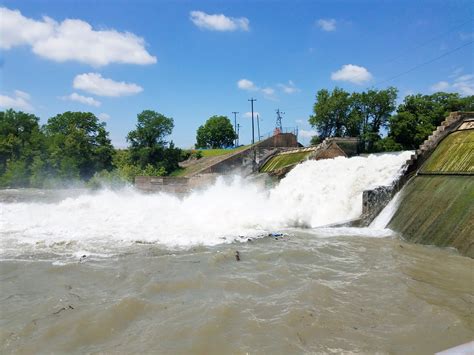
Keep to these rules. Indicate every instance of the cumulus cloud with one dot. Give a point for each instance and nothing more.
(303, 133)
(327, 25)
(245, 84)
(103, 116)
(462, 84)
(267, 92)
(86, 100)
(352, 73)
(440, 86)
(95, 84)
(289, 88)
(72, 40)
(19, 101)
(218, 22)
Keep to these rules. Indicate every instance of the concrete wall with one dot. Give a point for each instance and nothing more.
(373, 204)
(174, 185)
(438, 210)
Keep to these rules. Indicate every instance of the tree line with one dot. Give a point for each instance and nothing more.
(374, 117)
(75, 147)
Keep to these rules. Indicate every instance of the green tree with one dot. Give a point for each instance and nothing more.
(418, 116)
(78, 145)
(373, 109)
(21, 142)
(148, 145)
(332, 113)
(217, 132)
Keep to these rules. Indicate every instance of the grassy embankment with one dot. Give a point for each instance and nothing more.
(208, 157)
(283, 160)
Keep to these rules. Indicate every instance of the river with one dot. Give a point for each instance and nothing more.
(235, 268)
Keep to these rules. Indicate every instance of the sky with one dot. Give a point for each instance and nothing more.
(190, 60)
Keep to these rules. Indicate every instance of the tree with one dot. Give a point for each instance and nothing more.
(148, 146)
(78, 145)
(217, 132)
(418, 116)
(21, 142)
(373, 109)
(332, 113)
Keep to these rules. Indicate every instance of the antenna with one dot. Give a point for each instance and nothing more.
(279, 127)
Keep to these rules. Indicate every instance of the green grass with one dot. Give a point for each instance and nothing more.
(454, 154)
(217, 152)
(283, 160)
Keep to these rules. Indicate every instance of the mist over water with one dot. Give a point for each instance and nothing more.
(314, 194)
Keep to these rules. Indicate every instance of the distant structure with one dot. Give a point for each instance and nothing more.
(278, 126)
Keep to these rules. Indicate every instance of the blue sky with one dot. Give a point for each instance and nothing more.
(193, 59)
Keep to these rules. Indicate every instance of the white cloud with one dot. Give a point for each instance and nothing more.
(463, 84)
(289, 88)
(19, 101)
(268, 91)
(352, 73)
(327, 25)
(218, 22)
(440, 86)
(306, 133)
(465, 87)
(299, 121)
(103, 116)
(72, 40)
(249, 114)
(94, 83)
(82, 99)
(245, 84)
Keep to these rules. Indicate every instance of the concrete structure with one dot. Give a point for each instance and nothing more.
(280, 163)
(243, 161)
(436, 205)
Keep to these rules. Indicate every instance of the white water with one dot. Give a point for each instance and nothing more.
(384, 217)
(315, 193)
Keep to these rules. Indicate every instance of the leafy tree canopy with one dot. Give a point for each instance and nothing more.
(78, 145)
(217, 132)
(148, 146)
(418, 116)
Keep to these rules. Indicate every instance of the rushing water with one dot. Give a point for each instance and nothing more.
(120, 271)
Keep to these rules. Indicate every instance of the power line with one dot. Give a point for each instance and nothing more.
(423, 64)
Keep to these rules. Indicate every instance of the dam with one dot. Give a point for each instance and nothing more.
(156, 272)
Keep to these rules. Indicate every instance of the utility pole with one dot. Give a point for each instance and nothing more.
(253, 129)
(258, 127)
(238, 131)
(235, 127)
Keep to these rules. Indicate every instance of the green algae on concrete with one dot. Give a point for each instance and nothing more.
(438, 210)
(455, 154)
(284, 160)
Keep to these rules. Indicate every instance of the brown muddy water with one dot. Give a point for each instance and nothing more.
(298, 293)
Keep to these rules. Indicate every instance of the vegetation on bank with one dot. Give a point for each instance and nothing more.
(74, 147)
(368, 114)
(216, 133)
